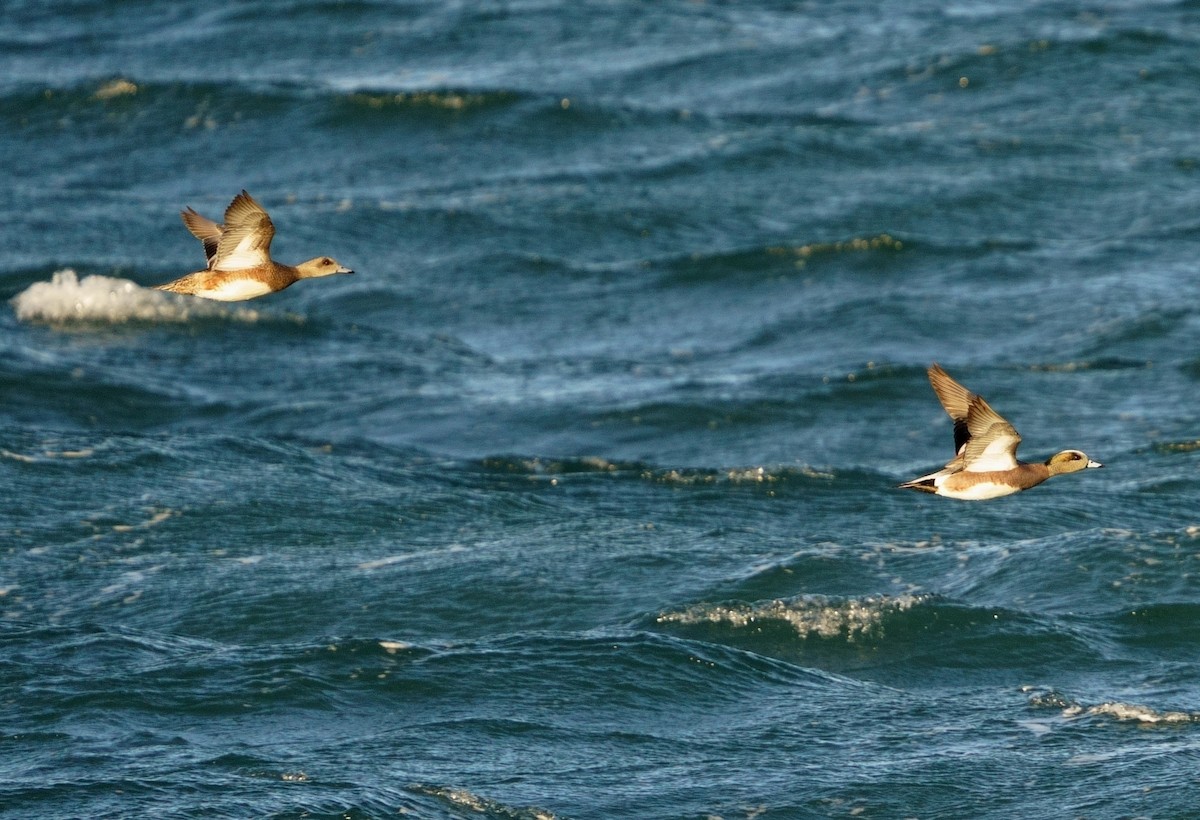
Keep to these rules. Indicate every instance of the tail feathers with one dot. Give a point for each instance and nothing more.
(183, 284)
(925, 485)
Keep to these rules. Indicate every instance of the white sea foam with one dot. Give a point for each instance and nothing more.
(1125, 712)
(389, 560)
(102, 299)
(380, 563)
(1141, 714)
(809, 615)
(481, 805)
(156, 517)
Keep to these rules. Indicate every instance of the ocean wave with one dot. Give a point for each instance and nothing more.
(67, 299)
(775, 260)
(1136, 713)
(477, 804)
(1120, 711)
(419, 99)
(809, 616)
(114, 105)
(917, 632)
(553, 468)
(1184, 446)
(248, 96)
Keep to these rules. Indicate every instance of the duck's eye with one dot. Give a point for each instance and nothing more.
(326, 261)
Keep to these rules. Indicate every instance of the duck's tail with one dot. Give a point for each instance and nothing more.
(925, 485)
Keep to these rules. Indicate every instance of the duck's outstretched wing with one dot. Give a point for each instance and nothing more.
(205, 230)
(983, 439)
(955, 399)
(993, 441)
(245, 240)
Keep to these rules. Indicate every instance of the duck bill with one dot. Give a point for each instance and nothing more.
(1093, 464)
(343, 269)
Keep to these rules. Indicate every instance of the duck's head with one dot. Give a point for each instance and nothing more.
(1070, 461)
(321, 266)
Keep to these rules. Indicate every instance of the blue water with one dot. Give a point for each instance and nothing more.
(578, 499)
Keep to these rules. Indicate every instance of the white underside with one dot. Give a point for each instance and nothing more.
(976, 492)
(237, 290)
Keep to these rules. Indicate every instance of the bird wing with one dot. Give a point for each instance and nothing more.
(956, 400)
(992, 442)
(245, 240)
(205, 230)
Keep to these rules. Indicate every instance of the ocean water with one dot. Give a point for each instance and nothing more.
(578, 499)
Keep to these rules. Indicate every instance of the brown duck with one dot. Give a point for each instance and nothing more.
(239, 256)
(985, 464)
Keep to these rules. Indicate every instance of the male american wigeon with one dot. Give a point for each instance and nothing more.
(239, 256)
(986, 463)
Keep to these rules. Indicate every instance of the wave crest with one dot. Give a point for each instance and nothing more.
(810, 615)
(67, 299)
(461, 798)
(1116, 710)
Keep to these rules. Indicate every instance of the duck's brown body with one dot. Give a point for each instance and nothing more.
(985, 463)
(970, 485)
(234, 285)
(239, 262)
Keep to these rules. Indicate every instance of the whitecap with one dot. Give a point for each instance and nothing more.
(807, 615)
(1117, 710)
(1137, 713)
(461, 798)
(103, 299)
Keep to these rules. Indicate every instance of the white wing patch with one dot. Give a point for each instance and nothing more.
(248, 253)
(999, 454)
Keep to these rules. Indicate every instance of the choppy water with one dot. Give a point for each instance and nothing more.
(577, 500)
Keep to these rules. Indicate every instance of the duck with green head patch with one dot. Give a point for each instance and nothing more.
(985, 464)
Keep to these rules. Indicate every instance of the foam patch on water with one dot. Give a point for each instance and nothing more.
(735, 475)
(461, 798)
(67, 299)
(552, 468)
(1141, 714)
(810, 615)
(1124, 712)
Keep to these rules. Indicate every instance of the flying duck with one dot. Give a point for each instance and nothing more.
(239, 260)
(985, 464)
